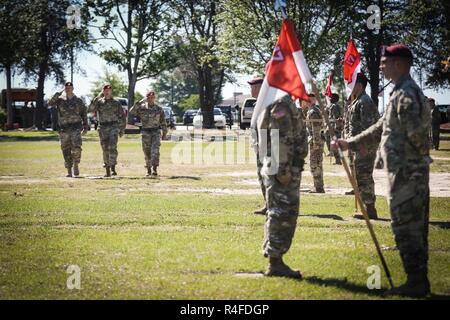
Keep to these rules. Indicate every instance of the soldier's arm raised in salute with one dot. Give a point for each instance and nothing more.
(136, 107)
(53, 101)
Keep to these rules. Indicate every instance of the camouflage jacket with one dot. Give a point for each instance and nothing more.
(314, 127)
(403, 129)
(151, 116)
(335, 116)
(284, 120)
(108, 111)
(70, 111)
(362, 114)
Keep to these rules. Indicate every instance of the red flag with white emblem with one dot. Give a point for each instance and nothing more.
(286, 72)
(352, 66)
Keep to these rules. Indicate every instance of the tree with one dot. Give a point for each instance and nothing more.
(119, 87)
(14, 38)
(139, 30)
(49, 45)
(175, 86)
(198, 40)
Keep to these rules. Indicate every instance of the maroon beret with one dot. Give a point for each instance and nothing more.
(396, 50)
(255, 80)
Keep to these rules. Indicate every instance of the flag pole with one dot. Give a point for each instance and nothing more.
(365, 215)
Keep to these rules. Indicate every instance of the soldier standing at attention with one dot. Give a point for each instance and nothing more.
(153, 121)
(435, 123)
(362, 114)
(281, 174)
(336, 121)
(72, 118)
(403, 132)
(314, 118)
(255, 86)
(112, 123)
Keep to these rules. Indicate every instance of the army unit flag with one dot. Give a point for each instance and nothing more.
(286, 72)
(352, 66)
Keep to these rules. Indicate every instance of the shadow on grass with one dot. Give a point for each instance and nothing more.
(343, 284)
(323, 216)
(441, 224)
(185, 177)
(30, 138)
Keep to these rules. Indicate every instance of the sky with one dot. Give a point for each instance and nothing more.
(94, 66)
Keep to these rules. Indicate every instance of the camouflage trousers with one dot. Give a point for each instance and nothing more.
(282, 202)
(409, 197)
(436, 138)
(315, 163)
(151, 142)
(109, 136)
(71, 146)
(364, 176)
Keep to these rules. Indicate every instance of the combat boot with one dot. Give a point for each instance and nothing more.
(113, 171)
(338, 161)
(417, 286)
(76, 170)
(351, 192)
(277, 268)
(318, 190)
(155, 171)
(149, 171)
(108, 171)
(69, 172)
(261, 211)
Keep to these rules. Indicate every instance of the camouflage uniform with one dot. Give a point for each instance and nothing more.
(335, 118)
(282, 187)
(112, 122)
(153, 121)
(315, 146)
(404, 151)
(72, 117)
(362, 114)
(435, 126)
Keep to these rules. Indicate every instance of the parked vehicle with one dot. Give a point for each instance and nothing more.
(246, 113)
(227, 112)
(188, 117)
(220, 120)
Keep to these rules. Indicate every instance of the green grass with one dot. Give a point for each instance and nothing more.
(161, 239)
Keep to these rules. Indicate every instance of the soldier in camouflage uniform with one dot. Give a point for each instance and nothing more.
(255, 86)
(112, 123)
(72, 118)
(435, 123)
(404, 151)
(153, 121)
(336, 121)
(362, 114)
(314, 118)
(281, 173)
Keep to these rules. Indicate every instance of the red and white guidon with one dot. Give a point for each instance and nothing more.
(352, 66)
(286, 72)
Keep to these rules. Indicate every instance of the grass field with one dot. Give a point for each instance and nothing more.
(190, 234)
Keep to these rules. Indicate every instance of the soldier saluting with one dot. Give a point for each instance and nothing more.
(72, 119)
(112, 123)
(403, 132)
(153, 121)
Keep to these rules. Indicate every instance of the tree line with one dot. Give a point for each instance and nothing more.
(191, 48)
